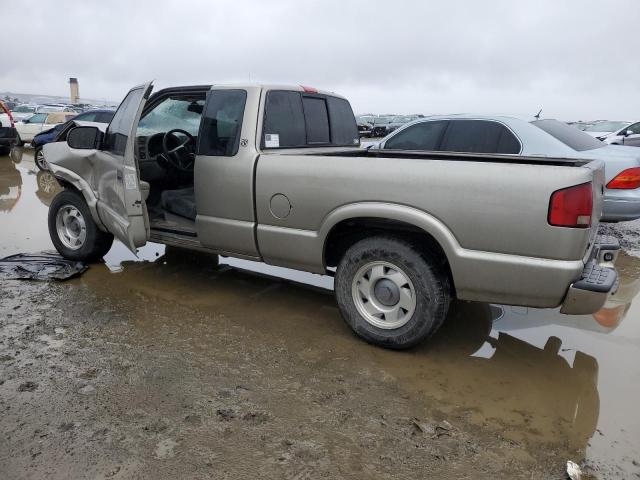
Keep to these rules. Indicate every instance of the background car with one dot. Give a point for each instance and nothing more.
(379, 126)
(365, 124)
(23, 111)
(543, 138)
(95, 118)
(38, 122)
(400, 120)
(600, 130)
(628, 135)
(8, 134)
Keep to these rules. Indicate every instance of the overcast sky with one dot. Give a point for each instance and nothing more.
(576, 59)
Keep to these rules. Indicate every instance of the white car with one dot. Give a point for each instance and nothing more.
(29, 127)
(23, 111)
(628, 135)
(541, 138)
(601, 130)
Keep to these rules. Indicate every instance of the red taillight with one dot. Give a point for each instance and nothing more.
(626, 180)
(571, 207)
(309, 89)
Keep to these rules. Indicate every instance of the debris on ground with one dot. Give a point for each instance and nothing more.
(573, 470)
(39, 266)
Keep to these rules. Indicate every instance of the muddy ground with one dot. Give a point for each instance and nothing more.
(168, 366)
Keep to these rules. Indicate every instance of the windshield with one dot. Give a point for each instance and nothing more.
(570, 136)
(606, 126)
(24, 109)
(183, 113)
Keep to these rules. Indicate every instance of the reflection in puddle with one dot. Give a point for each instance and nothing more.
(534, 376)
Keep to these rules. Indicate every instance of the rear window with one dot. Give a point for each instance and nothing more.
(570, 136)
(296, 119)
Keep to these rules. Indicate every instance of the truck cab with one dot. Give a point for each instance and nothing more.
(178, 166)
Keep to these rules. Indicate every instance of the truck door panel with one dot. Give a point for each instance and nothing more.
(224, 171)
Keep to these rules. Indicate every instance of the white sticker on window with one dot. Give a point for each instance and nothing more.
(272, 140)
(130, 181)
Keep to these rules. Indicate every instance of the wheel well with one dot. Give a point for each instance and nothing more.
(346, 233)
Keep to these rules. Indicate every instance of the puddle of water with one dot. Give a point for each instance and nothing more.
(533, 375)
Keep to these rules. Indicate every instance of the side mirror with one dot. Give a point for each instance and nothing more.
(25, 120)
(86, 138)
(626, 133)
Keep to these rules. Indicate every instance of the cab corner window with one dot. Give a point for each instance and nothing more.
(222, 123)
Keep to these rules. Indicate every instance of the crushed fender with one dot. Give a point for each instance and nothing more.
(39, 266)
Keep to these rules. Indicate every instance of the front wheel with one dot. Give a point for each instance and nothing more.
(391, 293)
(73, 231)
(38, 158)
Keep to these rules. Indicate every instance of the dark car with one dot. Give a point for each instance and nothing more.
(59, 132)
(8, 133)
(380, 126)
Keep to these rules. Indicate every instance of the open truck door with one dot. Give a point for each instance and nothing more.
(107, 172)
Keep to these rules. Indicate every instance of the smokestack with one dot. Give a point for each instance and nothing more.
(75, 90)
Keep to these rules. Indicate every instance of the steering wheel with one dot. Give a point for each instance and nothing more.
(179, 157)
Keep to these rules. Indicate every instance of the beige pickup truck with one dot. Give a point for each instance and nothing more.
(275, 174)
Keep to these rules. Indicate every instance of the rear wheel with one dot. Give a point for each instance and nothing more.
(391, 293)
(73, 231)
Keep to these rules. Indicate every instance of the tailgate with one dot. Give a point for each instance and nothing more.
(597, 166)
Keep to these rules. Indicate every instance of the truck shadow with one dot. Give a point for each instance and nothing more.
(468, 370)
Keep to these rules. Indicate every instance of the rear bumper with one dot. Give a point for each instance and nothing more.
(621, 209)
(598, 280)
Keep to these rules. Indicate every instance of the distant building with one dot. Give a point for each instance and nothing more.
(75, 90)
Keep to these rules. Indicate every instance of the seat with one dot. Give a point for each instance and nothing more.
(180, 202)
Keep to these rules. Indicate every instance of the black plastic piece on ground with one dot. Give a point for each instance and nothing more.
(39, 266)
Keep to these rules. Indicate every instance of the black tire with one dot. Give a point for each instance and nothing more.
(96, 243)
(38, 159)
(427, 275)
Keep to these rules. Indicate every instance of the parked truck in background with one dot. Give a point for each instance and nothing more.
(274, 174)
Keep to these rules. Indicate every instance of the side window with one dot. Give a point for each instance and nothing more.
(508, 143)
(479, 136)
(222, 123)
(87, 117)
(38, 118)
(104, 117)
(421, 136)
(284, 120)
(120, 128)
(316, 119)
(635, 128)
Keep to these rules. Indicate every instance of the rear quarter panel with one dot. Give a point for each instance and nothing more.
(491, 207)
